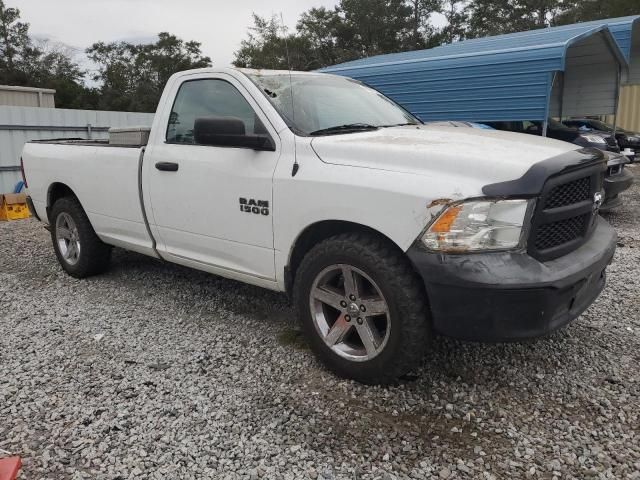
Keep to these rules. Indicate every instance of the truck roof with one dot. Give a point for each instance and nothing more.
(252, 71)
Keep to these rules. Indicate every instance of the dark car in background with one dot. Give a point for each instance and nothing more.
(617, 179)
(592, 138)
(460, 123)
(625, 138)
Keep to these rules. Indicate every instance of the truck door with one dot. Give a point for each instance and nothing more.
(211, 205)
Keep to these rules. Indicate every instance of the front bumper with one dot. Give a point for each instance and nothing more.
(510, 295)
(614, 185)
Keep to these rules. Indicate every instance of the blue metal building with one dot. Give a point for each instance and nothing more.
(570, 70)
(626, 31)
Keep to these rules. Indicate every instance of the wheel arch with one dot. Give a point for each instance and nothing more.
(315, 233)
(56, 191)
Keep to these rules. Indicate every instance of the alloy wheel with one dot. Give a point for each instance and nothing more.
(350, 312)
(68, 238)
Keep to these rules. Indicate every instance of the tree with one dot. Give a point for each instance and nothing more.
(55, 68)
(422, 32)
(493, 17)
(24, 62)
(353, 29)
(132, 77)
(320, 26)
(16, 49)
(456, 14)
(270, 46)
(586, 10)
(373, 27)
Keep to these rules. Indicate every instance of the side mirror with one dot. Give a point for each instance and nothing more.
(228, 132)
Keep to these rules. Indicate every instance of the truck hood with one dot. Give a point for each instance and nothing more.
(486, 155)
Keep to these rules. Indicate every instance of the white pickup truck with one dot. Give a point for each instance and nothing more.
(383, 230)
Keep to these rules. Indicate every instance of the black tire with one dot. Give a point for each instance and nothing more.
(94, 255)
(400, 286)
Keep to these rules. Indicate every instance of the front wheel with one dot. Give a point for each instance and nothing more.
(362, 308)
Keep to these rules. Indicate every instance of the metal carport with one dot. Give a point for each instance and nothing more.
(626, 31)
(569, 70)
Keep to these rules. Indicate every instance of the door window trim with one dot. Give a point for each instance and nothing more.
(175, 99)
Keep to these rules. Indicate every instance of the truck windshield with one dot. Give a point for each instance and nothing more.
(326, 104)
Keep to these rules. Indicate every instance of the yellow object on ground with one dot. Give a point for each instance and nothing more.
(13, 206)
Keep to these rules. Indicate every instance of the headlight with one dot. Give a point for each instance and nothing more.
(478, 225)
(593, 138)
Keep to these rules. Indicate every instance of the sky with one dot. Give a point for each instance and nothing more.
(220, 25)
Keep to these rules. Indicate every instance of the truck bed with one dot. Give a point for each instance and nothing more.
(105, 180)
(128, 137)
(82, 142)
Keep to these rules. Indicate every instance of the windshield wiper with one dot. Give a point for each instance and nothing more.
(349, 127)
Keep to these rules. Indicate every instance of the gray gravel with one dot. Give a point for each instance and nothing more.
(156, 371)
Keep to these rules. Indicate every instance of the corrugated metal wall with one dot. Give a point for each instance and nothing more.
(501, 78)
(21, 124)
(27, 97)
(496, 86)
(634, 67)
(626, 31)
(589, 83)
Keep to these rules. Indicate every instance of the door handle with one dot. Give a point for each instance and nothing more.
(167, 166)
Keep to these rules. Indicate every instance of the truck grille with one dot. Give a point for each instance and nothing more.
(558, 233)
(565, 216)
(569, 193)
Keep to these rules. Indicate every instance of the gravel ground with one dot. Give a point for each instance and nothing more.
(156, 371)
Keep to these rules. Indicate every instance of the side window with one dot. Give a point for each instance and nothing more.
(206, 98)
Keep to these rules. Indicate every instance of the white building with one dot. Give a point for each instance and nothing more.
(27, 97)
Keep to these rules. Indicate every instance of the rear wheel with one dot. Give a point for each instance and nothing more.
(363, 308)
(79, 250)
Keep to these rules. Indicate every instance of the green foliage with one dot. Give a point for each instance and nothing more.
(362, 28)
(492, 17)
(56, 69)
(269, 46)
(15, 44)
(456, 14)
(132, 77)
(585, 10)
(25, 63)
(353, 29)
(320, 27)
(372, 27)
